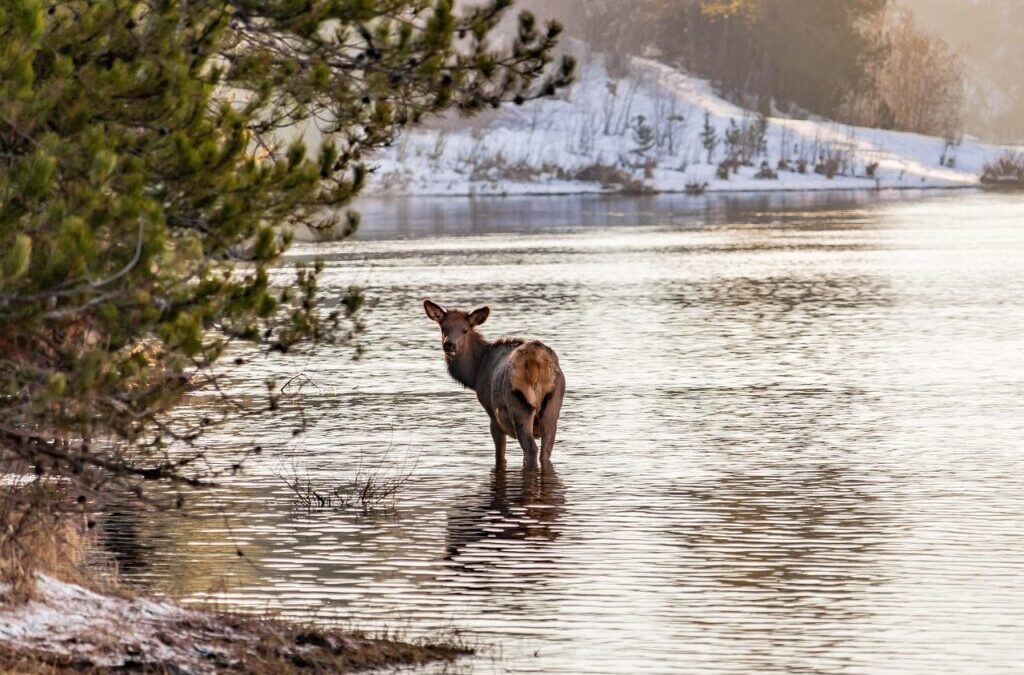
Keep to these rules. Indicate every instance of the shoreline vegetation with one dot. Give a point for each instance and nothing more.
(64, 609)
(649, 128)
(65, 627)
(151, 636)
(654, 193)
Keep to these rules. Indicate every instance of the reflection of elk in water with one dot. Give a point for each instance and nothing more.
(520, 510)
(518, 382)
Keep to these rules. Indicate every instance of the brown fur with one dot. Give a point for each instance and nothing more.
(532, 372)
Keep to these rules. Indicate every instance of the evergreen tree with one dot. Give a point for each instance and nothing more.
(734, 142)
(709, 137)
(147, 185)
(755, 138)
(643, 135)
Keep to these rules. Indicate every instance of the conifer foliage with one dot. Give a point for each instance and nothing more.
(149, 178)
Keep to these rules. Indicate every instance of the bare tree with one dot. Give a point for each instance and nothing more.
(919, 81)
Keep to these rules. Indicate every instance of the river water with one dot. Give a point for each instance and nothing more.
(793, 441)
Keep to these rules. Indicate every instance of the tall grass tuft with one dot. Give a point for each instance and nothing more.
(1005, 169)
(372, 488)
(40, 533)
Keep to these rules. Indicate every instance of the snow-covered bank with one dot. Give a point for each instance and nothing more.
(67, 618)
(66, 628)
(643, 132)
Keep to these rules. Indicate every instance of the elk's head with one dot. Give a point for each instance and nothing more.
(457, 327)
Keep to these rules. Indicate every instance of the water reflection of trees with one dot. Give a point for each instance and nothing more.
(782, 557)
(784, 543)
(817, 293)
(497, 539)
(125, 533)
(410, 217)
(810, 536)
(189, 552)
(776, 351)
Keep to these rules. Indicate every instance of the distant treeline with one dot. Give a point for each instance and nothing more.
(991, 35)
(860, 61)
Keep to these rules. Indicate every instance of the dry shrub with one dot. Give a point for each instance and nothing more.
(610, 177)
(695, 188)
(261, 645)
(1009, 165)
(288, 647)
(497, 169)
(39, 533)
(374, 488)
(766, 172)
(918, 80)
(833, 161)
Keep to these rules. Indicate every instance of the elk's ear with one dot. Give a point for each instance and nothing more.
(434, 310)
(478, 316)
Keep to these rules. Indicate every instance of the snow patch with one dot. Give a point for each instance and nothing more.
(541, 147)
(70, 620)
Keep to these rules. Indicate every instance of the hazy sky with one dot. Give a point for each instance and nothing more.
(990, 35)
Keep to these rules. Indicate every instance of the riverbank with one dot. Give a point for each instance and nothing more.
(571, 189)
(65, 627)
(64, 608)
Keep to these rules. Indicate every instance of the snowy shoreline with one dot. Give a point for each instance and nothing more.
(641, 133)
(583, 189)
(65, 627)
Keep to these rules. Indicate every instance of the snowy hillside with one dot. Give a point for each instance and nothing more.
(644, 133)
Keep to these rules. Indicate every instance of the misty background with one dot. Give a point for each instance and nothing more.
(939, 68)
(989, 34)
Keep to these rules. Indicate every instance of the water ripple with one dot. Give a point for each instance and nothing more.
(792, 443)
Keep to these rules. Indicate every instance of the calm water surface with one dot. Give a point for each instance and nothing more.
(793, 442)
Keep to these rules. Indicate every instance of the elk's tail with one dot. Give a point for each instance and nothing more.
(533, 371)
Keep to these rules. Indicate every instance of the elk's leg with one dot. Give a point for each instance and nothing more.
(549, 428)
(499, 443)
(524, 434)
(549, 413)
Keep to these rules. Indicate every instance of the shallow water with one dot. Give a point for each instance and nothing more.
(792, 442)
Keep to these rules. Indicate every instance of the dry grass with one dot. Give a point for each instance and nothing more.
(1008, 167)
(499, 169)
(283, 647)
(244, 644)
(38, 534)
(42, 534)
(695, 188)
(373, 488)
(611, 177)
(833, 161)
(20, 661)
(43, 531)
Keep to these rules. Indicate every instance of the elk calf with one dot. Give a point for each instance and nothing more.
(518, 382)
